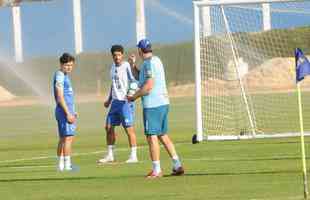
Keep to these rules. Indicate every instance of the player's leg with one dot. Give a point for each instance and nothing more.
(167, 142)
(67, 148)
(60, 155)
(132, 140)
(150, 120)
(60, 147)
(169, 146)
(112, 120)
(110, 140)
(130, 131)
(127, 117)
(110, 134)
(154, 150)
(67, 134)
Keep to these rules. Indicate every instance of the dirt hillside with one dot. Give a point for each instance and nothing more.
(272, 76)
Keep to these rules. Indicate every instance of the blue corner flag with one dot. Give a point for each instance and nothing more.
(302, 65)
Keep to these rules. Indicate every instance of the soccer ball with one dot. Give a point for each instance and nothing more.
(133, 87)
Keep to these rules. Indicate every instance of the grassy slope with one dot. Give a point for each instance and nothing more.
(178, 60)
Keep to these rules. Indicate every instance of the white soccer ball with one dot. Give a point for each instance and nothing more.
(133, 87)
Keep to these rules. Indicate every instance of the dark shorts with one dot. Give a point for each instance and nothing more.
(156, 120)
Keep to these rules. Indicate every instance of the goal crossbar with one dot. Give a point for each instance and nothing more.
(235, 2)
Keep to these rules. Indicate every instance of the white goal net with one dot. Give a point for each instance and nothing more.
(245, 68)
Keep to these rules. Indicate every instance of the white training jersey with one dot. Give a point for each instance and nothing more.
(121, 77)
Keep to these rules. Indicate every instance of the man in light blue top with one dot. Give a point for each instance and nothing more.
(65, 111)
(155, 102)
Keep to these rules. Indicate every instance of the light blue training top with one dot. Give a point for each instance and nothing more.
(158, 96)
(63, 81)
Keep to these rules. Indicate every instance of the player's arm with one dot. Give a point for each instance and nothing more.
(147, 85)
(109, 100)
(61, 101)
(130, 75)
(134, 68)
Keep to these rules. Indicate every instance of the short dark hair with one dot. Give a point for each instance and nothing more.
(118, 48)
(65, 58)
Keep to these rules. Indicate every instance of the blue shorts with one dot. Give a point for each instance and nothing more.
(121, 112)
(64, 127)
(156, 120)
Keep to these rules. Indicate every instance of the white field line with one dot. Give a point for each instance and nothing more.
(32, 167)
(275, 157)
(140, 161)
(121, 163)
(53, 166)
(74, 154)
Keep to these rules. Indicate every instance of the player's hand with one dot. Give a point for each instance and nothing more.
(132, 60)
(131, 98)
(107, 104)
(71, 118)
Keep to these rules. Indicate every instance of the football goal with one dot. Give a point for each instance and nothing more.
(245, 67)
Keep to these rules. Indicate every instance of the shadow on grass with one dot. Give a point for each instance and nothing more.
(15, 180)
(258, 159)
(242, 173)
(190, 174)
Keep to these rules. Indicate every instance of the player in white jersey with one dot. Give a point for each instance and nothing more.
(121, 111)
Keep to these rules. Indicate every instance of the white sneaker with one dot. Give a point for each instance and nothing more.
(106, 159)
(72, 168)
(60, 169)
(132, 160)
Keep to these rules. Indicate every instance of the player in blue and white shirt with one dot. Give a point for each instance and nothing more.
(155, 104)
(121, 111)
(65, 111)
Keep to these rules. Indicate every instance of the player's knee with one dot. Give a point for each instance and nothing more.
(69, 139)
(152, 139)
(108, 129)
(130, 130)
(164, 138)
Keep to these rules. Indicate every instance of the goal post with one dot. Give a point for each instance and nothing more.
(244, 67)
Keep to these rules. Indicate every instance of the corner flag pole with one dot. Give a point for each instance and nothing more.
(304, 168)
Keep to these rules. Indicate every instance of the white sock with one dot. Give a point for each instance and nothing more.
(61, 162)
(111, 151)
(156, 166)
(133, 153)
(176, 162)
(67, 160)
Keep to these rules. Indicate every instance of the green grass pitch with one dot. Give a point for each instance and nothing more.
(234, 170)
